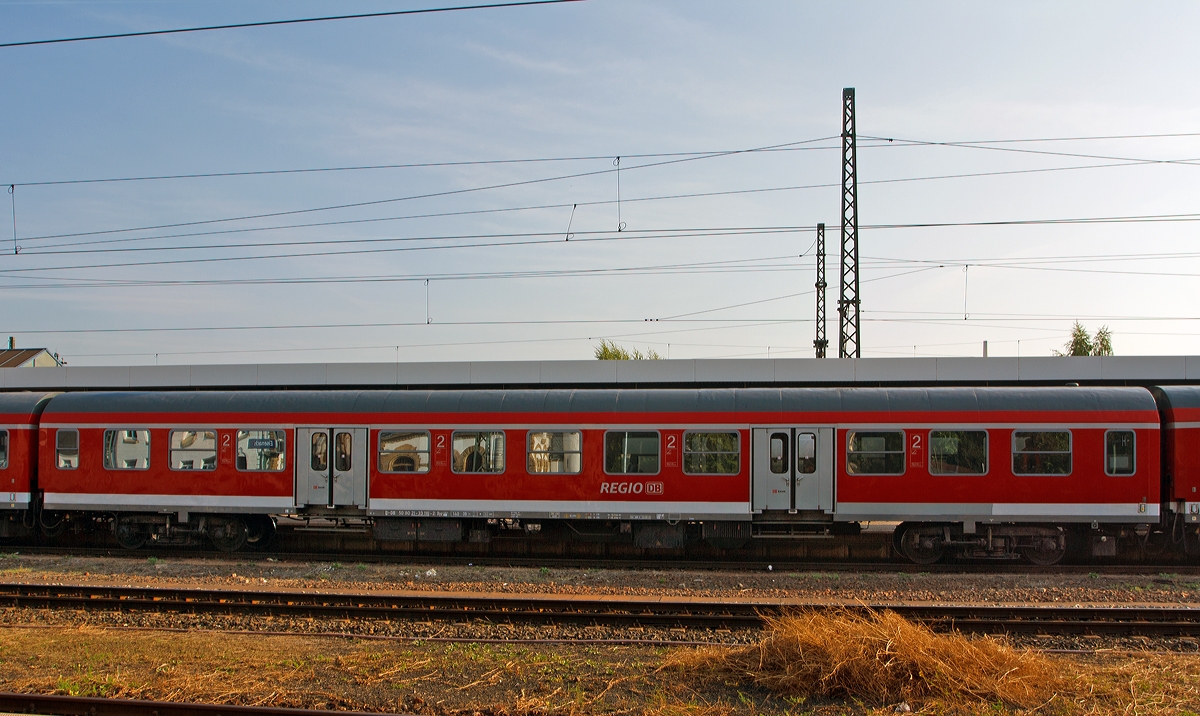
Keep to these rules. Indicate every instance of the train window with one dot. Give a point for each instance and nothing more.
(806, 453)
(478, 451)
(403, 452)
(342, 459)
(875, 453)
(711, 453)
(66, 449)
(319, 454)
(779, 453)
(3, 449)
(261, 450)
(193, 450)
(126, 449)
(1041, 452)
(556, 452)
(631, 453)
(958, 452)
(1119, 452)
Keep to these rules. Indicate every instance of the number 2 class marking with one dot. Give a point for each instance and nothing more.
(916, 444)
(671, 441)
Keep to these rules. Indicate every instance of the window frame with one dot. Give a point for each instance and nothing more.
(7, 448)
(903, 452)
(216, 449)
(125, 441)
(58, 448)
(379, 452)
(683, 452)
(503, 468)
(1133, 458)
(528, 450)
(237, 438)
(787, 440)
(816, 434)
(658, 435)
(1012, 446)
(987, 452)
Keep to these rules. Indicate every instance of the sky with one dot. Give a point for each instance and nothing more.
(649, 173)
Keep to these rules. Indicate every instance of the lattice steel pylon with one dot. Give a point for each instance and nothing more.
(821, 342)
(848, 301)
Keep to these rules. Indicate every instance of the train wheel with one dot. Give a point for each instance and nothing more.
(922, 545)
(228, 534)
(130, 534)
(1046, 551)
(260, 532)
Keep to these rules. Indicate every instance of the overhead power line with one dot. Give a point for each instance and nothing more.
(431, 195)
(410, 165)
(600, 202)
(880, 143)
(294, 21)
(541, 238)
(1045, 152)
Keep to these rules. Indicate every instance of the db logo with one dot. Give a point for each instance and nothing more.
(631, 488)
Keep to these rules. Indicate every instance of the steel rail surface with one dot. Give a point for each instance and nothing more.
(93, 706)
(607, 610)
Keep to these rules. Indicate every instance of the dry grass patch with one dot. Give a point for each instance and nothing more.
(881, 658)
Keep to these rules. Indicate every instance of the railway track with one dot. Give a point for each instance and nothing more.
(615, 611)
(893, 566)
(91, 706)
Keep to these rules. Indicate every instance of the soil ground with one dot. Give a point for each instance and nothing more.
(91, 654)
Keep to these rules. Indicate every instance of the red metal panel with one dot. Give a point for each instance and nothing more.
(1087, 482)
(592, 483)
(92, 478)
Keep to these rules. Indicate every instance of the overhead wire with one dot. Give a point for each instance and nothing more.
(430, 195)
(549, 206)
(293, 21)
(553, 238)
(876, 143)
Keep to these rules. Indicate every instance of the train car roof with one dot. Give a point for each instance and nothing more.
(22, 403)
(754, 400)
(1177, 396)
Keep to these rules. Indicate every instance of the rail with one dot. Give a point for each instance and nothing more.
(94, 706)
(559, 609)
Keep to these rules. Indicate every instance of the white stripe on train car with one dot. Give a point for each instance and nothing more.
(1002, 511)
(14, 499)
(79, 500)
(561, 508)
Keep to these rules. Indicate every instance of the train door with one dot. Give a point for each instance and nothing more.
(792, 468)
(333, 470)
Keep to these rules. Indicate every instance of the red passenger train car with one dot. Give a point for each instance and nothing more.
(982, 472)
(1180, 406)
(18, 450)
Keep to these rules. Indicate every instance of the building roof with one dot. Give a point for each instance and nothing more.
(775, 373)
(28, 358)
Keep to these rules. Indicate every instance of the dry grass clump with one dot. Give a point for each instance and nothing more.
(880, 657)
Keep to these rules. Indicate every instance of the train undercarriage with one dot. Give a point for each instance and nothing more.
(922, 543)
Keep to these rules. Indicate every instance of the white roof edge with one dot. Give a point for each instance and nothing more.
(922, 371)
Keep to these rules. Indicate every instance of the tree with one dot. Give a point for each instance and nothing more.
(1083, 345)
(608, 350)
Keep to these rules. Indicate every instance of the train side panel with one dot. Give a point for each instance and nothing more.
(19, 414)
(668, 492)
(85, 483)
